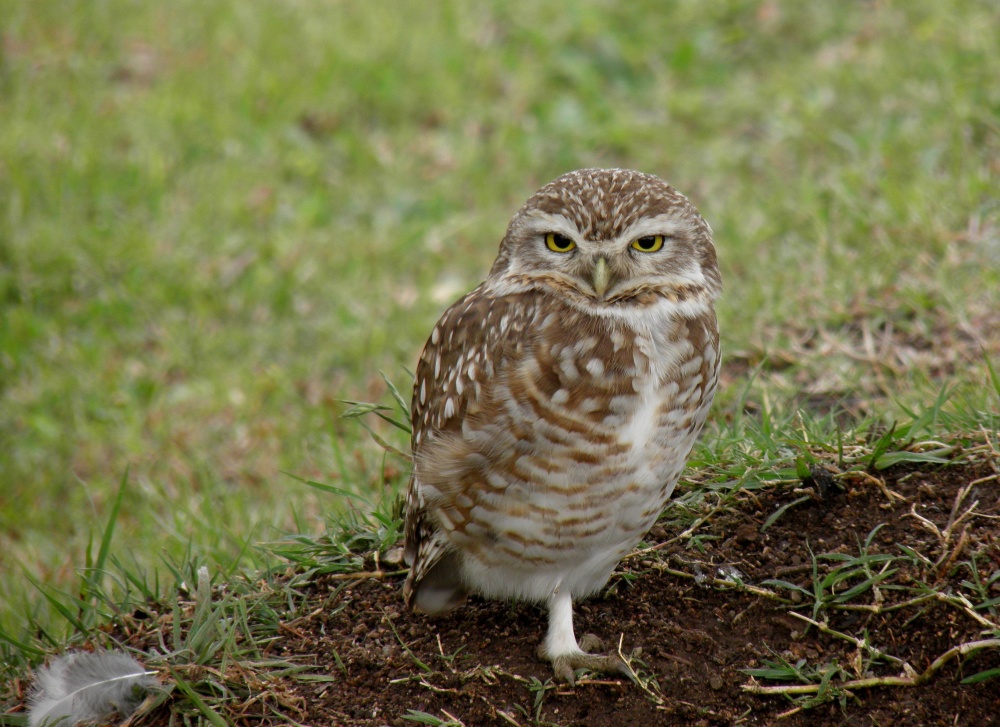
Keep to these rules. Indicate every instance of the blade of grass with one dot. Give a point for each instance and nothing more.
(206, 711)
(782, 510)
(91, 578)
(323, 487)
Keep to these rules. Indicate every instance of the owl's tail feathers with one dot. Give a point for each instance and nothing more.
(437, 589)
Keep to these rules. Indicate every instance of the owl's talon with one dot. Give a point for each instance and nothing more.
(591, 643)
(564, 666)
(563, 670)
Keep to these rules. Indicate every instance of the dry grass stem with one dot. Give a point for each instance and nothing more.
(914, 681)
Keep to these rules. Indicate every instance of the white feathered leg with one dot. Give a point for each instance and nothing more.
(561, 648)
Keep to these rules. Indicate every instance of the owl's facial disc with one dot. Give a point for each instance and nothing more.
(601, 266)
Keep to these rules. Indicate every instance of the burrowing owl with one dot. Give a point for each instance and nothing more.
(555, 405)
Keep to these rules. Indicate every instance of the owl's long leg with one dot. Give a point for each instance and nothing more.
(560, 646)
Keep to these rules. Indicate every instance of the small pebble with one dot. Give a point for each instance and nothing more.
(394, 556)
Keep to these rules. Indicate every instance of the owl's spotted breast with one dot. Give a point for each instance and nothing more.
(537, 432)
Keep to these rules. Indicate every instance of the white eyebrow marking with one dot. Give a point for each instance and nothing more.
(667, 225)
(542, 222)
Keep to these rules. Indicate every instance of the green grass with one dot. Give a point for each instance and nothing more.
(219, 219)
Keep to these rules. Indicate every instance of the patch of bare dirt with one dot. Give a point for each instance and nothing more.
(478, 667)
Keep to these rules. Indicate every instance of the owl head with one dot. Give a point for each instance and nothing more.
(609, 240)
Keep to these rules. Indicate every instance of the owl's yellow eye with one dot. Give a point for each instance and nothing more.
(648, 244)
(558, 243)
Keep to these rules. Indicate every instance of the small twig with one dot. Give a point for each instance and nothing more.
(289, 629)
(860, 644)
(757, 591)
(306, 617)
(989, 442)
(959, 499)
(419, 679)
(702, 711)
(981, 480)
(931, 444)
(871, 480)
(657, 699)
(965, 605)
(926, 524)
(508, 718)
(362, 575)
(791, 570)
(959, 602)
(877, 609)
(687, 533)
(963, 540)
(790, 713)
(914, 681)
(948, 554)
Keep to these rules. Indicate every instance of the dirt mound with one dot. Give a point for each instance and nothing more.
(885, 566)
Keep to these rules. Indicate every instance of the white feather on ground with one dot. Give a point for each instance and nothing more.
(81, 687)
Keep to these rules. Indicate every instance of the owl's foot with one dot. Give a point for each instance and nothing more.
(565, 665)
(560, 646)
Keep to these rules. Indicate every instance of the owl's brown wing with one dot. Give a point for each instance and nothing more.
(470, 343)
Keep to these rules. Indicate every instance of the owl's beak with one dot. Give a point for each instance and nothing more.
(602, 276)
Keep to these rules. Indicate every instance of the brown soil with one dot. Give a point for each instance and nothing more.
(478, 665)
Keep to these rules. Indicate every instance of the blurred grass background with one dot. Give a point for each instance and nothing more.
(218, 219)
